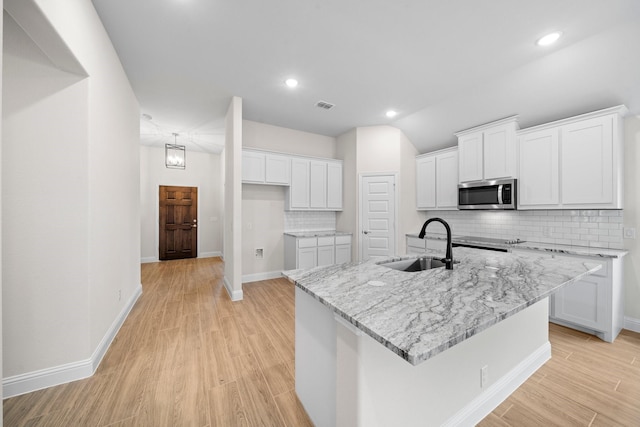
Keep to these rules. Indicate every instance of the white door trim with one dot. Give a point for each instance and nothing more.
(395, 203)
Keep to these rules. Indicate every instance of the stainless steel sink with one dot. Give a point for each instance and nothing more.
(415, 264)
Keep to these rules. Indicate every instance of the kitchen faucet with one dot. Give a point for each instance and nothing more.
(448, 258)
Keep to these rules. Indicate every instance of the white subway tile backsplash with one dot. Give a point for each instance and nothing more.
(309, 221)
(597, 228)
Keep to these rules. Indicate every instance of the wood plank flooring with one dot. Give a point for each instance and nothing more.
(187, 355)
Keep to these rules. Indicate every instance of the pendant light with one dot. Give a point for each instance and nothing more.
(175, 155)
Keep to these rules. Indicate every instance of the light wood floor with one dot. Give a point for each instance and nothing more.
(187, 355)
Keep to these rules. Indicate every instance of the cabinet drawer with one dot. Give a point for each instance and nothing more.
(343, 240)
(307, 242)
(325, 241)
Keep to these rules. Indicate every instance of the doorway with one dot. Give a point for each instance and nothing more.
(178, 237)
(377, 216)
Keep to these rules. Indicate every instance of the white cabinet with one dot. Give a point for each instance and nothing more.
(309, 252)
(538, 183)
(260, 167)
(316, 184)
(437, 180)
(299, 189)
(593, 304)
(488, 151)
(574, 163)
(334, 186)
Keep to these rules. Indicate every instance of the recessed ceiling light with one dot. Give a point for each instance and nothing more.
(291, 82)
(391, 113)
(549, 39)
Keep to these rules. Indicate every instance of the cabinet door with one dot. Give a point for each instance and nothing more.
(277, 169)
(471, 153)
(307, 258)
(447, 180)
(253, 167)
(538, 184)
(343, 254)
(318, 185)
(426, 182)
(334, 186)
(584, 303)
(587, 161)
(299, 190)
(325, 255)
(499, 152)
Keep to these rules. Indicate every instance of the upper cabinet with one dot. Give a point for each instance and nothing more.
(488, 151)
(437, 180)
(316, 185)
(574, 163)
(261, 167)
(313, 184)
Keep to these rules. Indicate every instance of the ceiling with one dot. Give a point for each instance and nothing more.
(443, 66)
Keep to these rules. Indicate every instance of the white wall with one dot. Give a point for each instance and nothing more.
(203, 172)
(632, 218)
(233, 200)
(70, 231)
(263, 222)
(347, 220)
(1, 115)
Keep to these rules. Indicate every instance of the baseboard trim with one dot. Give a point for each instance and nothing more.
(212, 254)
(482, 405)
(632, 324)
(146, 260)
(234, 295)
(248, 278)
(49, 377)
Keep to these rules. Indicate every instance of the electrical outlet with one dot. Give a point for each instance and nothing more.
(259, 253)
(484, 376)
(629, 233)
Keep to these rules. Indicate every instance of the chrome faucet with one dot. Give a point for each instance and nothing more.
(448, 257)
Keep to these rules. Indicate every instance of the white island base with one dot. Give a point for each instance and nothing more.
(346, 378)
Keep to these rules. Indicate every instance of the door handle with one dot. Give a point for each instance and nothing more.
(365, 232)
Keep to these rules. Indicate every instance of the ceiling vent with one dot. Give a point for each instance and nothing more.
(325, 105)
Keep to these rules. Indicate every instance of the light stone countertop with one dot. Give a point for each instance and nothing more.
(320, 233)
(546, 247)
(418, 315)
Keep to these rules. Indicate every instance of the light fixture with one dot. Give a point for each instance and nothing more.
(175, 156)
(549, 39)
(391, 113)
(291, 83)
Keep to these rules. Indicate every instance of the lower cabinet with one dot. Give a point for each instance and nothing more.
(308, 252)
(594, 304)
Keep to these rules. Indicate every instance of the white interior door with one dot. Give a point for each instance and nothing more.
(378, 216)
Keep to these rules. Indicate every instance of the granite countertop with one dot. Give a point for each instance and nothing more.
(418, 315)
(545, 247)
(321, 233)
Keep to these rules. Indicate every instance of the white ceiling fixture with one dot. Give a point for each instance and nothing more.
(175, 156)
(391, 113)
(549, 39)
(291, 82)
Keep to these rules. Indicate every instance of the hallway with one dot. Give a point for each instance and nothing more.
(186, 355)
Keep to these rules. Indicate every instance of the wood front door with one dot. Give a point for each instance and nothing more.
(178, 222)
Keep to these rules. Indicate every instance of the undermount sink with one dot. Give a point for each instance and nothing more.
(415, 264)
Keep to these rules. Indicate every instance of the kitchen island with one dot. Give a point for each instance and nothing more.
(377, 346)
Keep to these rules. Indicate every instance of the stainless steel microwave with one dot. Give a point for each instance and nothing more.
(488, 195)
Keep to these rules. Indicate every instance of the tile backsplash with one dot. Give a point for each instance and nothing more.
(309, 221)
(593, 228)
